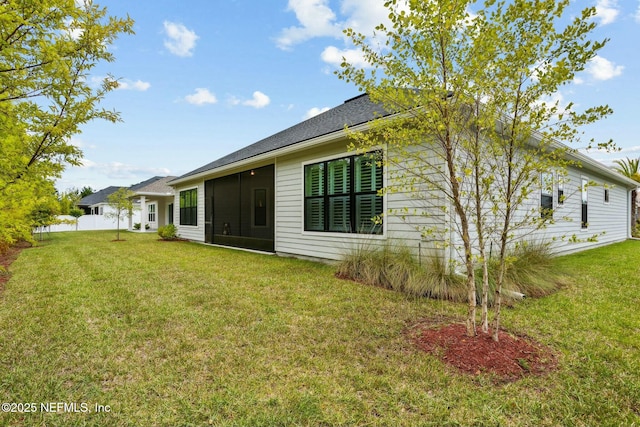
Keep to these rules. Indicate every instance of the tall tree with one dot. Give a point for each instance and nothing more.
(47, 52)
(467, 92)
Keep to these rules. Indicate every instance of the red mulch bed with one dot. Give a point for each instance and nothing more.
(509, 359)
(6, 258)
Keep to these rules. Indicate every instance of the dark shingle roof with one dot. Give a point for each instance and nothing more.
(98, 196)
(353, 112)
(157, 186)
(138, 186)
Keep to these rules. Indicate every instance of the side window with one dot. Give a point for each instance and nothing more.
(546, 195)
(189, 207)
(584, 223)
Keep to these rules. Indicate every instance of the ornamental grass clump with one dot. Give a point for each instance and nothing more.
(397, 268)
(530, 273)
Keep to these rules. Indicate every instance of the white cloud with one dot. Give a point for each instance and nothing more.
(316, 20)
(80, 143)
(334, 56)
(314, 112)
(555, 100)
(202, 96)
(138, 85)
(637, 15)
(607, 11)
(634, 149)
(118, 170)
(259, 100)
(181, 41)
(602, 69)
(364, 16)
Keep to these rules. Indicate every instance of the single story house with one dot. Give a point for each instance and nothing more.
(96, 203)
(301, 192)
(155, 200)
(152, 202)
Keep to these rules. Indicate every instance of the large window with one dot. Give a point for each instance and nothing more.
(189, 207)
(341, 195)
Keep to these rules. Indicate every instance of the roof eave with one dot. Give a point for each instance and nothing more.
(299, 146)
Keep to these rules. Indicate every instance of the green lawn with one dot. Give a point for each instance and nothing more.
(177, 333)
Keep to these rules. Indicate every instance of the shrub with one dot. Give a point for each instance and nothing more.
(168, 232)
(136, 226)
(530, 272)
(398, 269)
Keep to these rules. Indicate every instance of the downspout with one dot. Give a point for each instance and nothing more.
(630, 215)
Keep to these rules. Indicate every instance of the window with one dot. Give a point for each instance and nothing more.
(560, 201)
(606, 195)
(152, 213)
(189, 207)
(585, 217)
(341, 195)
(546, 195)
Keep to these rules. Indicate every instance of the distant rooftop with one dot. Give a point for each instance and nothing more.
(155, 185)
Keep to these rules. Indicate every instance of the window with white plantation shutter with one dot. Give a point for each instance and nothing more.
(344, 199)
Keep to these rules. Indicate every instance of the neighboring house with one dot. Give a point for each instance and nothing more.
(96, 203)
(156, 200)
(153, 204)
(288, 194)
(96, 209)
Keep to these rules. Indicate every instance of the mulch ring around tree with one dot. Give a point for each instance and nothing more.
(511, 358)
(6, 258)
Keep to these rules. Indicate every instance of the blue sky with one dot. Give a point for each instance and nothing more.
(203, 78)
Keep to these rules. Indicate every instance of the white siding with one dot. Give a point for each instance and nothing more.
(190, 232)
(607, 222)
(290, 237)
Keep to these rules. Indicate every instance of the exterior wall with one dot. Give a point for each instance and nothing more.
(607, 222)
(290, 237)
(191, 232)
(162, 211)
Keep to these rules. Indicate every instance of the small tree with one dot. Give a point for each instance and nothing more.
(121, 203)
(76, 213)
(44, 214)
(467, 95)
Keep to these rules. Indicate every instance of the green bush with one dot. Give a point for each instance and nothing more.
(168, 232)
